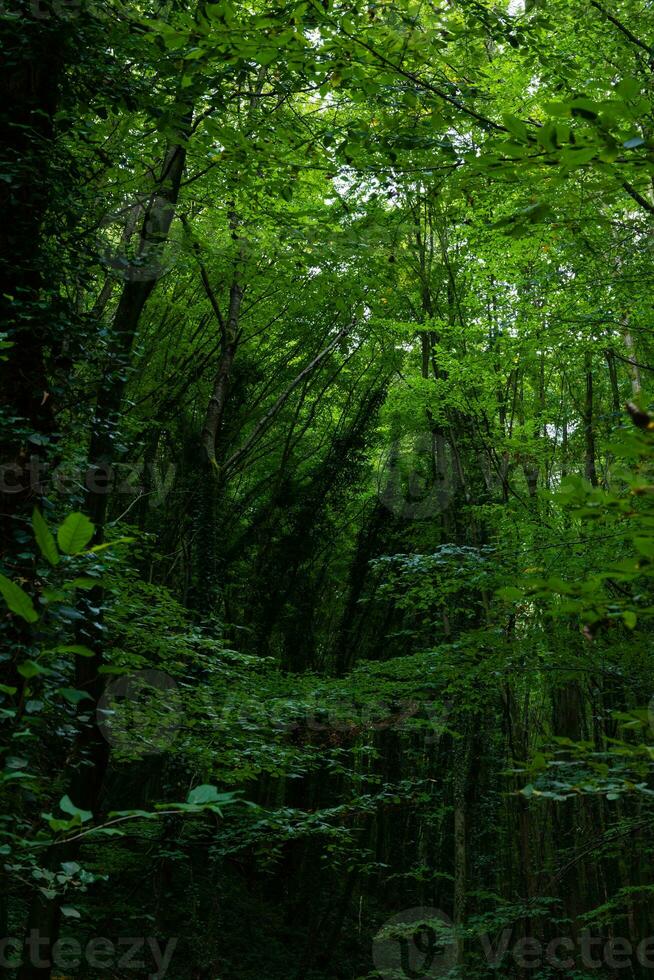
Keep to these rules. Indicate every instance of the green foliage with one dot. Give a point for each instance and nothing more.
(18, 600)
(74, 534)
(44, 538)
(329, 311)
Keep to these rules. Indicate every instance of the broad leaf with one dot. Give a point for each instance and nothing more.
(75, 533)
(44, 537)
(18, 601)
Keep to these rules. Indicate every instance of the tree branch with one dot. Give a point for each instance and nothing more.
(267, 419)
(638, 198)
(207, 285)
(621, 27)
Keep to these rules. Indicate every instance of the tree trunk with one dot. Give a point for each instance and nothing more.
(589, 422)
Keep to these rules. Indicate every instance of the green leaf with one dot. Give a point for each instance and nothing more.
(584, 108)
(70, 912)
(29, 669)
(77, 648)
(7, 777)
(609, 153)
(573, 157)
(67, 805)
(85, 583)
(74, 696)
(107, 544)
(203, 794)
(557, 108)
(645, 546)
(510, 593)
(628, 88)
(546, 136)
(44, 538)
(516, 127)
(75, 533)
(630, 618)
(18, 600)
(58, 825)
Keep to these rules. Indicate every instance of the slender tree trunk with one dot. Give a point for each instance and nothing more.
(589, 422)
(136, 291)
(632, 363)
(462, 756)
(613, 380)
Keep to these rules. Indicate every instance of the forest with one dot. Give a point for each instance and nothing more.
(326, 489)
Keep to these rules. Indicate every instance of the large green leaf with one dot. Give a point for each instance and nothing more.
(67, 805)
(29, 669)
(75, 533)
(73, 696)
(44, 537)
(77, 648)
(204, 794)
(18, 600)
